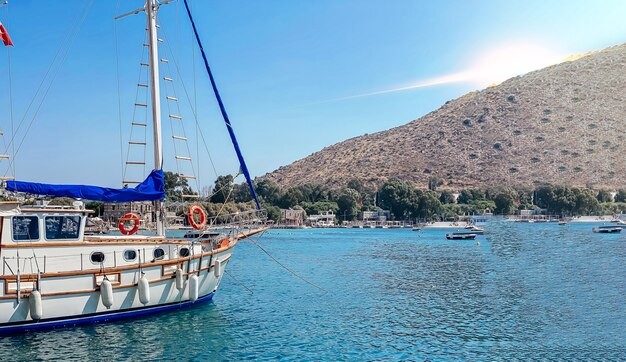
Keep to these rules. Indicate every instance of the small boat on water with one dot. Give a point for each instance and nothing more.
(607, 229)
(461, 236)
(416, 228)
(475, 229)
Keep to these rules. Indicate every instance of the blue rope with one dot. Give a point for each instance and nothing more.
(244, 168)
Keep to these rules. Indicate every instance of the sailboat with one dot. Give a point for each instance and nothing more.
(55, 275)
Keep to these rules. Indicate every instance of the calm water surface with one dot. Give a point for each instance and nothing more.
(527, 292)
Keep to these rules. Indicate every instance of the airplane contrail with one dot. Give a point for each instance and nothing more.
(446, 79)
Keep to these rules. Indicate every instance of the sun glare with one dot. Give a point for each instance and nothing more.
(502, 63)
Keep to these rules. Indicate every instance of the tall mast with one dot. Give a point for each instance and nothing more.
(151, 13)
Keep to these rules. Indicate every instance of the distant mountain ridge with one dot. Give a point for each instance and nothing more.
(564, 124)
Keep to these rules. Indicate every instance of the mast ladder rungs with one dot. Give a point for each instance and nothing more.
(163, 60)
(183, 158)
(142, 85)
(187, 176)
(179, 138)
(135, 163)
(136, 143)
(171, 98)
(175, 116)
(168, 79)
(139, 124)
(131, 182)
(190, 196)
(144, 64)
(4, 156)
(146, 44)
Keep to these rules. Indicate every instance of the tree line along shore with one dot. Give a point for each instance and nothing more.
(401, 198)
(405, 201)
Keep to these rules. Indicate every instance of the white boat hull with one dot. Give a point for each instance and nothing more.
(66, 305)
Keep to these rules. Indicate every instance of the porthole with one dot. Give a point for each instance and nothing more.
(158, 253)
(130, 255)
(97, 257)
(184, 252)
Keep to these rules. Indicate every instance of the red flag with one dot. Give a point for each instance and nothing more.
(4, 35)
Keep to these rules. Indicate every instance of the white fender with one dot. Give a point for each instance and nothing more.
(143, 286)
(193, 287)
(36, 308)
(180, 281)
(217, 268)
(106, 293)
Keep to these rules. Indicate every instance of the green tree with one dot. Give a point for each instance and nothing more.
(505, 203)
(316, 208)
(446, 197)
(273, 213)
(604, 196)
(176, 186)
(429, 206)
(241, 193)
(290, 198)
(481, 206)
(399, 197)
(585, 202)
(268, 190)
(222, 191)
(467, 196)
(96, 206)
(348, 204)
(621, 195)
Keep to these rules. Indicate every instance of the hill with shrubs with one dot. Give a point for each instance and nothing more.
(561, 125)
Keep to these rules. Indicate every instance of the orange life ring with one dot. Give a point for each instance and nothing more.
(129, 217)
(224, 243)
(195, 209)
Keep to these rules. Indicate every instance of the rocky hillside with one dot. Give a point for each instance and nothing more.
(564, 124)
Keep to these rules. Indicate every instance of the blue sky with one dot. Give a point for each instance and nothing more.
(291, 72)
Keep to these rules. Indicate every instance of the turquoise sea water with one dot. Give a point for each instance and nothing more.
(527, 292)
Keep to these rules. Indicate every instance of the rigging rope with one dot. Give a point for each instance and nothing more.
(284, 266)
(193, 109)
(229, 126)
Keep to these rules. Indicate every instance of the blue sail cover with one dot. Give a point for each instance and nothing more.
(152, 188)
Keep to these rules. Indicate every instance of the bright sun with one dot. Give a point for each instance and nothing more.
(500, 64)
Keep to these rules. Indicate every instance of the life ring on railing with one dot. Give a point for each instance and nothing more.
(195, 209)
(129, 217)
(224, 243)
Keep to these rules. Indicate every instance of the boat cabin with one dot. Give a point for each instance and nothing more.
(40, 224)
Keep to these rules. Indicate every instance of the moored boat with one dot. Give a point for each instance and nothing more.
(461, 236)
(607, 229)
(53, 274)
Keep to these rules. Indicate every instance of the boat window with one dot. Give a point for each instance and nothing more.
(158, 253)
(97, 257)
(62, 227)
(25, 228)
(130, 255)
(184, 252)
